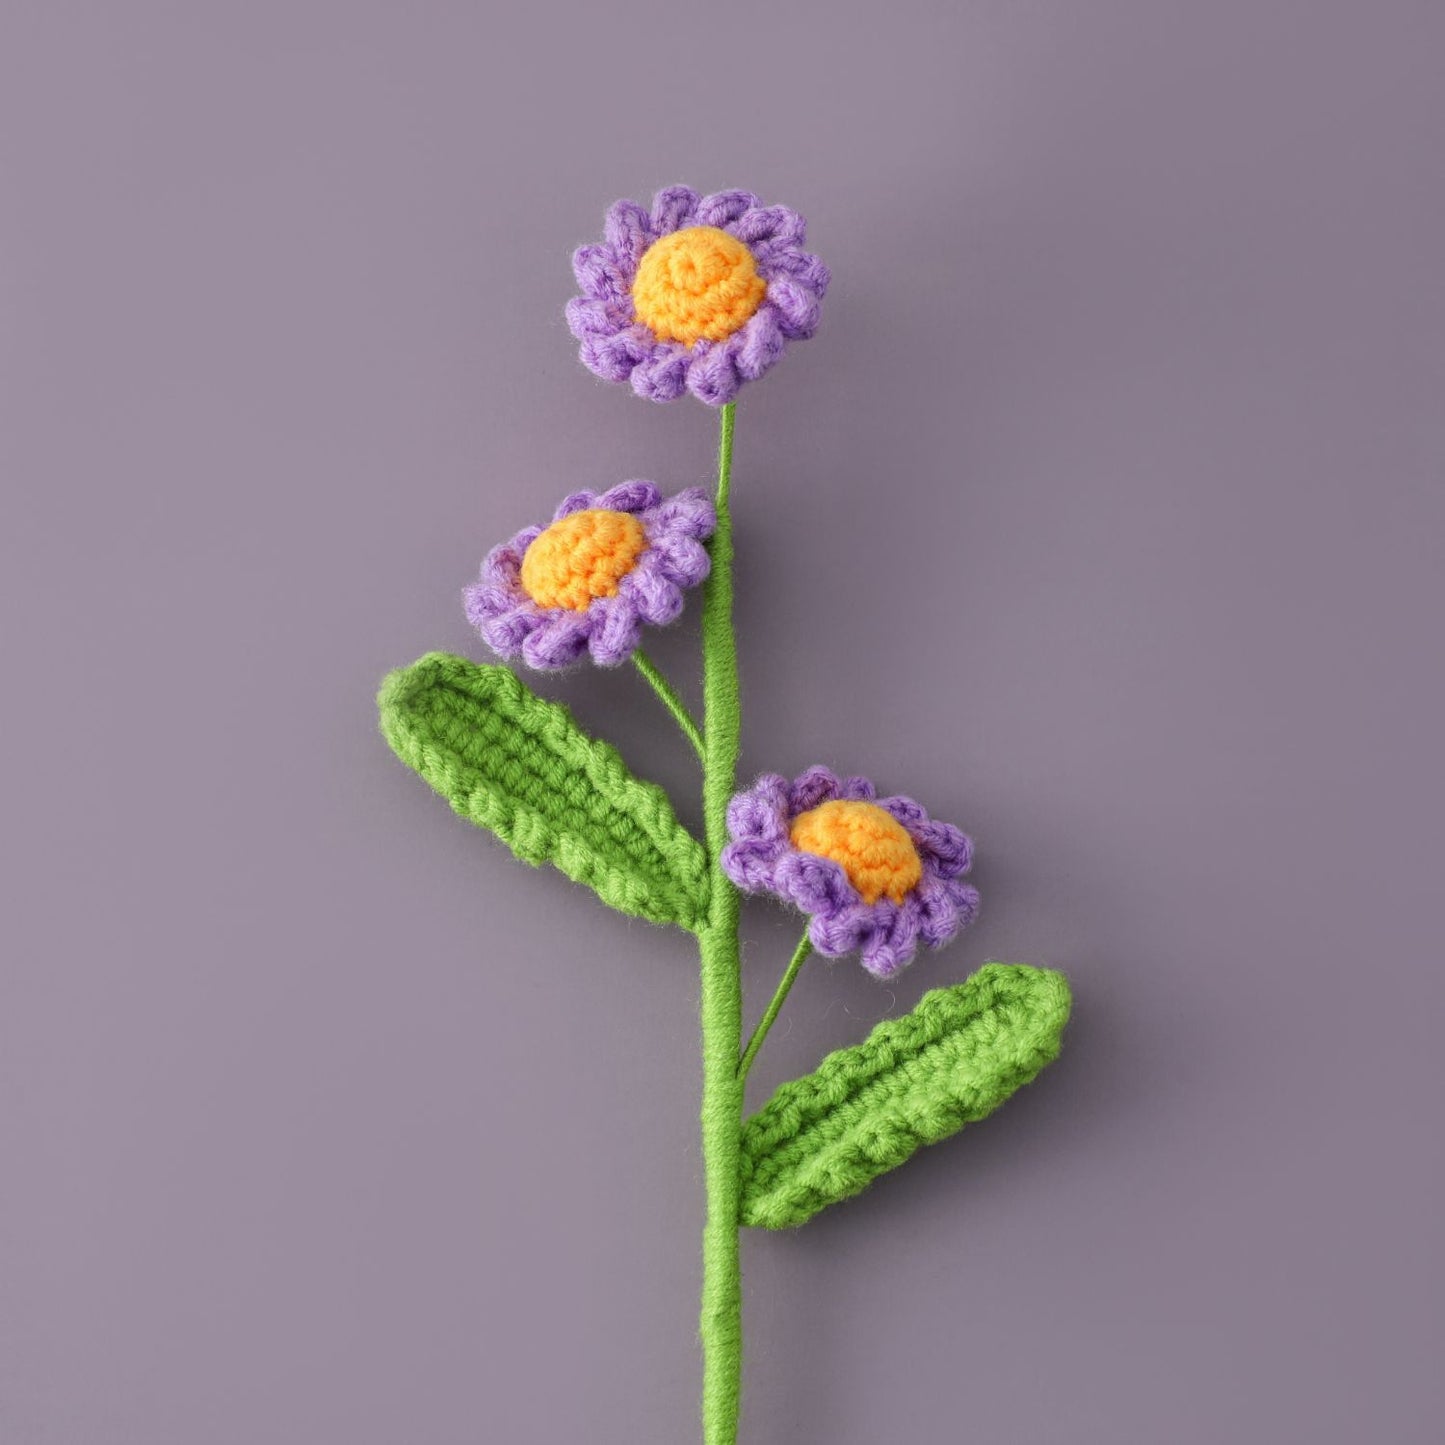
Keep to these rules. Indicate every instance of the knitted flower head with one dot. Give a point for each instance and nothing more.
(697, 294)
(605, 565)
(875, 874)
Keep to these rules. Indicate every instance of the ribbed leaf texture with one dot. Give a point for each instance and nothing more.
(915, 1080)
(518, 765)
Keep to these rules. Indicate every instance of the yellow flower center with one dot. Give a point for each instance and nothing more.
(582, 557)
(872, 846)
(696, 284)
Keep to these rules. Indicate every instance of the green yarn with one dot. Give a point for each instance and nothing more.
(915, 1080)
(720, 1326)
(780, 995)
(519, 766)
(670, 700)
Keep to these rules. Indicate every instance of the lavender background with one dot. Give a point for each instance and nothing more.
(1104, 514)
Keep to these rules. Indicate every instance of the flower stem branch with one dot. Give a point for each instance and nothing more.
(670, 700)
(800, 957)
(720, 1324)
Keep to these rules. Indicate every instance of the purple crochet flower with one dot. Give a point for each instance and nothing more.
(698, 294)
(606, 565)
(876, 874)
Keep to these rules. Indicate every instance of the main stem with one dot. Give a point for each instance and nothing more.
(721, 1324)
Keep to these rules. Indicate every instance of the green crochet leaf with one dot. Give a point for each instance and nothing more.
(518, 765)
(913, 1081)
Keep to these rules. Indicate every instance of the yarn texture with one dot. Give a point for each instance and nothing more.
(720, 992)
(698, 284)
(608, 565)
(581, 558)
(876, 876)
(518, 766)
(699, 294)
(871, 846)
(915, 1080)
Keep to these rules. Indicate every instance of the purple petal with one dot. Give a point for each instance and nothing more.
(723, 207)
(762, 344)
(770, 223)
(628, 230)
(758, 812)
(614, 357)
(575, 502)
(682, 560)
(938, 918)
(965, 899)
(904, 809)
(596, 319)
(689, 512)
(630, 497)
(673, 207)
(599, 275)
(893, 940)
(616, 630)
(656, 599)
(885, 959)
(798, 307)
(482, 602)
(815, 275)
(502, 566)
(558, 642)
(503, 627)
(750, 863)
(817, 785)
(835, 934)
(663, 376)
(713, 377)
(506, 635)
(777, 259)
(950, 848)
(816, 885)
(857, 790)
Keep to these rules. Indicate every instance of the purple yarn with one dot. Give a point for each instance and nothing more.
(762, 859)
(513, 625)
(618, 348)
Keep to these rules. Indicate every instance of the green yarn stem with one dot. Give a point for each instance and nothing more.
(670, 700)
(720, 1326)
(800, 957)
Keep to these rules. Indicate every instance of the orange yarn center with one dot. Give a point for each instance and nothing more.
(696, 284)
(582, 557)
(872, 846)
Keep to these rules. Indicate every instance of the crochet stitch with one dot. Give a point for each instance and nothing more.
(698, 294)
(951, 1061)
(695, 285)
(581, 558)
(606, 565)
(520, 766)
(787, 839)
(871, 847)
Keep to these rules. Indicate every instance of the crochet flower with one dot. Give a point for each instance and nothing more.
(698, 294)
(604, 566)
(876, 874)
